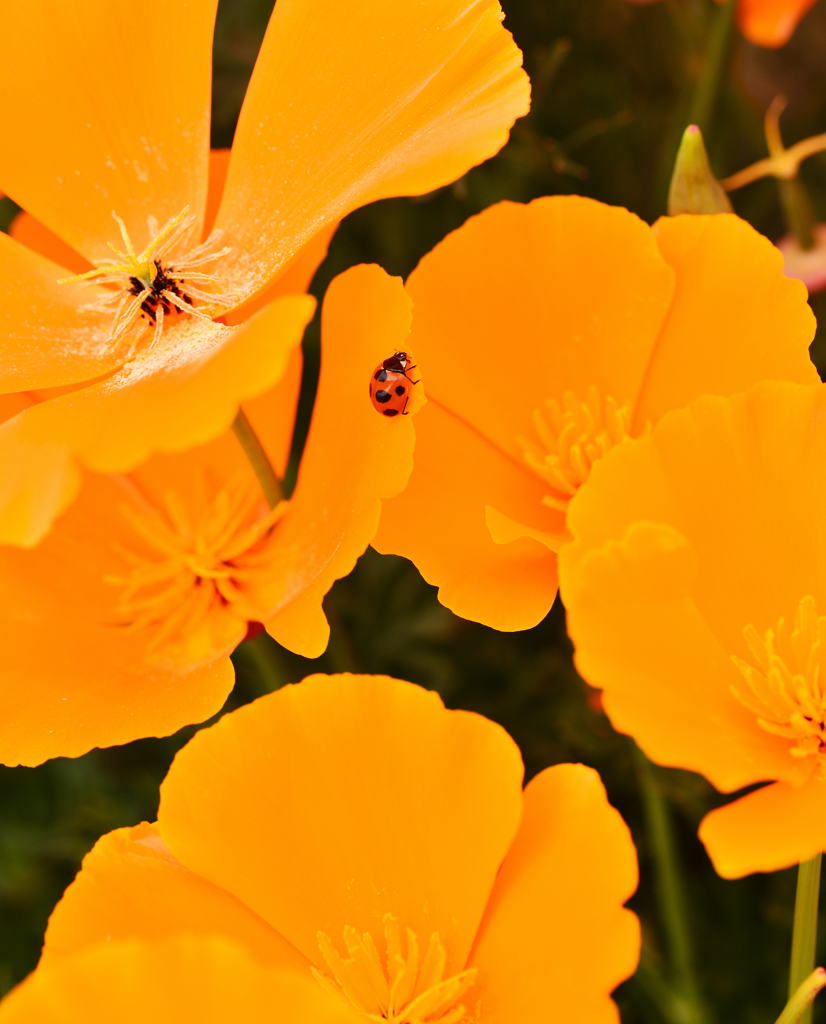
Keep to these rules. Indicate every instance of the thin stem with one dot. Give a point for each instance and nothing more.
(717, 47)
(340, 655)
(800, 1003)
(804, 933)
(260, 658)
(797, 211)
(671, 895)
(258, 459)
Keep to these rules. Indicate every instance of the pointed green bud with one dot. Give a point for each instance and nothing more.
(694, 189)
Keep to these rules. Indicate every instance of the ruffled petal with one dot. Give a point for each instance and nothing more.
(353, 458)
(181, 393)
(770, 22)
(353, 103)
(189, 978)
(131, 887)
(109, 110)
(772, 828)
(439, 523)
(555, 939)
(736, 318)
(667, 679)
(682, 540)
(339, 800)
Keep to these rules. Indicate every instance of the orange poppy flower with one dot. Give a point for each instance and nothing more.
(766, 22)
(112, 117)
(120, 623)
(695, 589)
(352, 827)
(770, 22)
(182, 980)
(549, 333)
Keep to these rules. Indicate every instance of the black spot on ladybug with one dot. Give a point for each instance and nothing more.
(391, 412)
(400, 390)
(381, 375)
(383, 396)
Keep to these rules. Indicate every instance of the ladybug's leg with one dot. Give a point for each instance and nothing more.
(404, 407)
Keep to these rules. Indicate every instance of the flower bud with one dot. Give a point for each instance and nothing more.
(694, 189)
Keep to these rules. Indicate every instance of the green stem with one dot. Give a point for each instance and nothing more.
(260, 658)
(716, 52)
(258, 459)
(671, 896)
(340, 655)
(797, 211)
(804, 934)
(800, 1003)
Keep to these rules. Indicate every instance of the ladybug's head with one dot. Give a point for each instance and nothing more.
(397, 362)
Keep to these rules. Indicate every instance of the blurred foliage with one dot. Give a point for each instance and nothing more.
(614, 86)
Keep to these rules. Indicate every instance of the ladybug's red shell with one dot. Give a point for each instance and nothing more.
(390, 386)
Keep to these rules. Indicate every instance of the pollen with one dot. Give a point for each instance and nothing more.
(404, 989)
(570, 436)
(191, 569)
(784, 686)
(163, 280)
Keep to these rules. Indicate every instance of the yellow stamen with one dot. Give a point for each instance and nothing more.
(570, 437)
(785, 690)
(194, 564)
(403, 992)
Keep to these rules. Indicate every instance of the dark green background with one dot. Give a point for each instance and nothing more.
(613, 90)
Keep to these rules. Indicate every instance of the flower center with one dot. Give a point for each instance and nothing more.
(570, 437)
(191, 580)
(149, 286)
(785, 689)
(405, 990)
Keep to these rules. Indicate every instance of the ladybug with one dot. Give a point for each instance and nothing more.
(390, 385)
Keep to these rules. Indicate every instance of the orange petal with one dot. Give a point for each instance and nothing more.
(736, 318)
(770, 22)
(772, 828)
(30, 232)
(555, 939)
(106, 115)
(130, 886)
(344, 798)
(183, 980)
(353, 458)
(181, 393)
(218, 167)
(48, 338)
(90, 684)
(376, 100)
(12, 404)
(681, 541)
(439, 522)
(296, 276)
